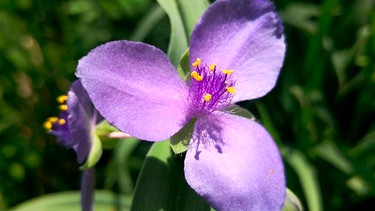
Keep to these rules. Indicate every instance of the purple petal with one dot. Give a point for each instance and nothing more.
(243, 35)
(234, 164)
(88, 189)
(82, 119)
(136, 88)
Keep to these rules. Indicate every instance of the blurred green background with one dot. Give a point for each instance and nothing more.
(321, 113)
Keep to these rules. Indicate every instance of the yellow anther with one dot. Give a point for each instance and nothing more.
(52, 119)
(197, 62)
(228, 72)
(207, 97)
(63, 107)
(61, 121)
(212, 67)
(196, 76)
(62, 99)
(47, 125)
(231, 89)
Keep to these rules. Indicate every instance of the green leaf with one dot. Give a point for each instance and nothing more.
(161, 184)
(191, 11)
(184, 66)
(359, 185)
(301, 15)
(307, 178)
(148, 22)
(237, 110)
(292, 203)
(178, 42)
(365, 146)
(64, 201)
(180, 141)
(119, 170)
(329, 152)
(267, 121)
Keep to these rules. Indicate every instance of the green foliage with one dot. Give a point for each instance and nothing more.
(161, 184)
(70, 200)
(321, 112)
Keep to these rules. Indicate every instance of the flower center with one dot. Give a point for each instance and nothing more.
(211, 89)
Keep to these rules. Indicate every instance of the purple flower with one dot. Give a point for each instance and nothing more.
(236, 51)
(74, 128)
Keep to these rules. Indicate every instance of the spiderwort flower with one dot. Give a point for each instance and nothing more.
(236, 52)
(74, 128)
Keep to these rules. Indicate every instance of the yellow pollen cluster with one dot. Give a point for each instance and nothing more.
(228, 72)
(196, 76)
(207, 97)
(213, 79)
(197, 62)
(61, 122)
(231, 89)
(63, 107)
(62, 99)
(48, 124)
(212, 67)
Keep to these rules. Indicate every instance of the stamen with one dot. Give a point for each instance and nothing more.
(47, 125)
(52, 119)
(212, 67)
(63, 107)
(197, 62)
(61, 121)
(227, 72)
(210, 90)
(62, 99)
(231, 89)
(196, 76)
(207, 97)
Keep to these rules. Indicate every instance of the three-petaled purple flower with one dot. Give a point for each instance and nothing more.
(236, 51)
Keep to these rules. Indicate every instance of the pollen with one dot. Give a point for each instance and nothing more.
(52, 119)
(197, 62)
(231, 89)
(207, 97)
(47, 125)
(212, 87)
(196, 76)
(62, 99)
(63, 107)
(61, 121)
(227, 72)
(212, 67)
